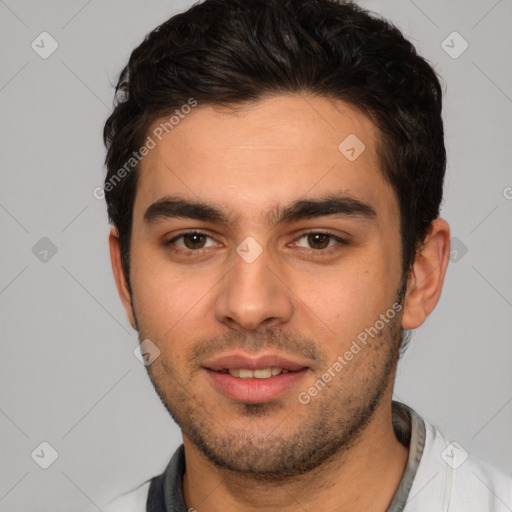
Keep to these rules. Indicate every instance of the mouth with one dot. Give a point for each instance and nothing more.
(264, 378)
(262, 373)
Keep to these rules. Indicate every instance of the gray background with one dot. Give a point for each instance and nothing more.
(67, 369)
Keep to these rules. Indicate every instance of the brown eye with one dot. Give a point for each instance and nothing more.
(191, 241)
(194, 240)
(319, 240)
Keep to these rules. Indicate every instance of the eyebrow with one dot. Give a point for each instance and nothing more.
(334, 205)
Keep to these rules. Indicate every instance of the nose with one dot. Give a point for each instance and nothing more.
(253, 295)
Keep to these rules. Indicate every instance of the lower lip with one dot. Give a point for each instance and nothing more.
(255, 390)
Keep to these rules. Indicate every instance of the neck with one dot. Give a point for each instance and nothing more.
(363, 477)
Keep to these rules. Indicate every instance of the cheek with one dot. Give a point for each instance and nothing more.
(167, 297)
(349, 297)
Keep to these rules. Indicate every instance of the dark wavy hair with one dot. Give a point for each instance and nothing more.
(228, 52)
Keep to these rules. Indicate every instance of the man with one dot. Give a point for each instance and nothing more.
(275, 170)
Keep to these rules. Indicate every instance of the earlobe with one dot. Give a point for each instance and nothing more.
(117, 268)
(427, 275)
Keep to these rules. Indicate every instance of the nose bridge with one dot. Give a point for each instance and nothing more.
(252, 296)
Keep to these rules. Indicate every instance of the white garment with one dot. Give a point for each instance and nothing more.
(445, 481)
(472, 486)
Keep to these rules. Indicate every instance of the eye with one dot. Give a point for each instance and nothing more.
(191, 241)
(195, 242)
(319, 241)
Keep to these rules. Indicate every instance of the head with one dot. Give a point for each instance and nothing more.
(275, 173)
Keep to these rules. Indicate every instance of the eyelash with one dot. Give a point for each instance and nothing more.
(198, 252)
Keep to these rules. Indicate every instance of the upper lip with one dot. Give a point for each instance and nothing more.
(254, 362)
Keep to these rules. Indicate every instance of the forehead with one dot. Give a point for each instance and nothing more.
(265, 154)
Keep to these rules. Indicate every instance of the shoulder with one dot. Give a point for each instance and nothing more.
(452, 480)
(131, 501)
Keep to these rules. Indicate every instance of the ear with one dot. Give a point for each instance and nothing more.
(117, 268)
(427, 275)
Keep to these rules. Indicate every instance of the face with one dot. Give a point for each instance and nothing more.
(263, 253)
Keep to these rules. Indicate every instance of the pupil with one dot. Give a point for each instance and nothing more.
(318, 239)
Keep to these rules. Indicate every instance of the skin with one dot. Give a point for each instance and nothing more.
(294, 298)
